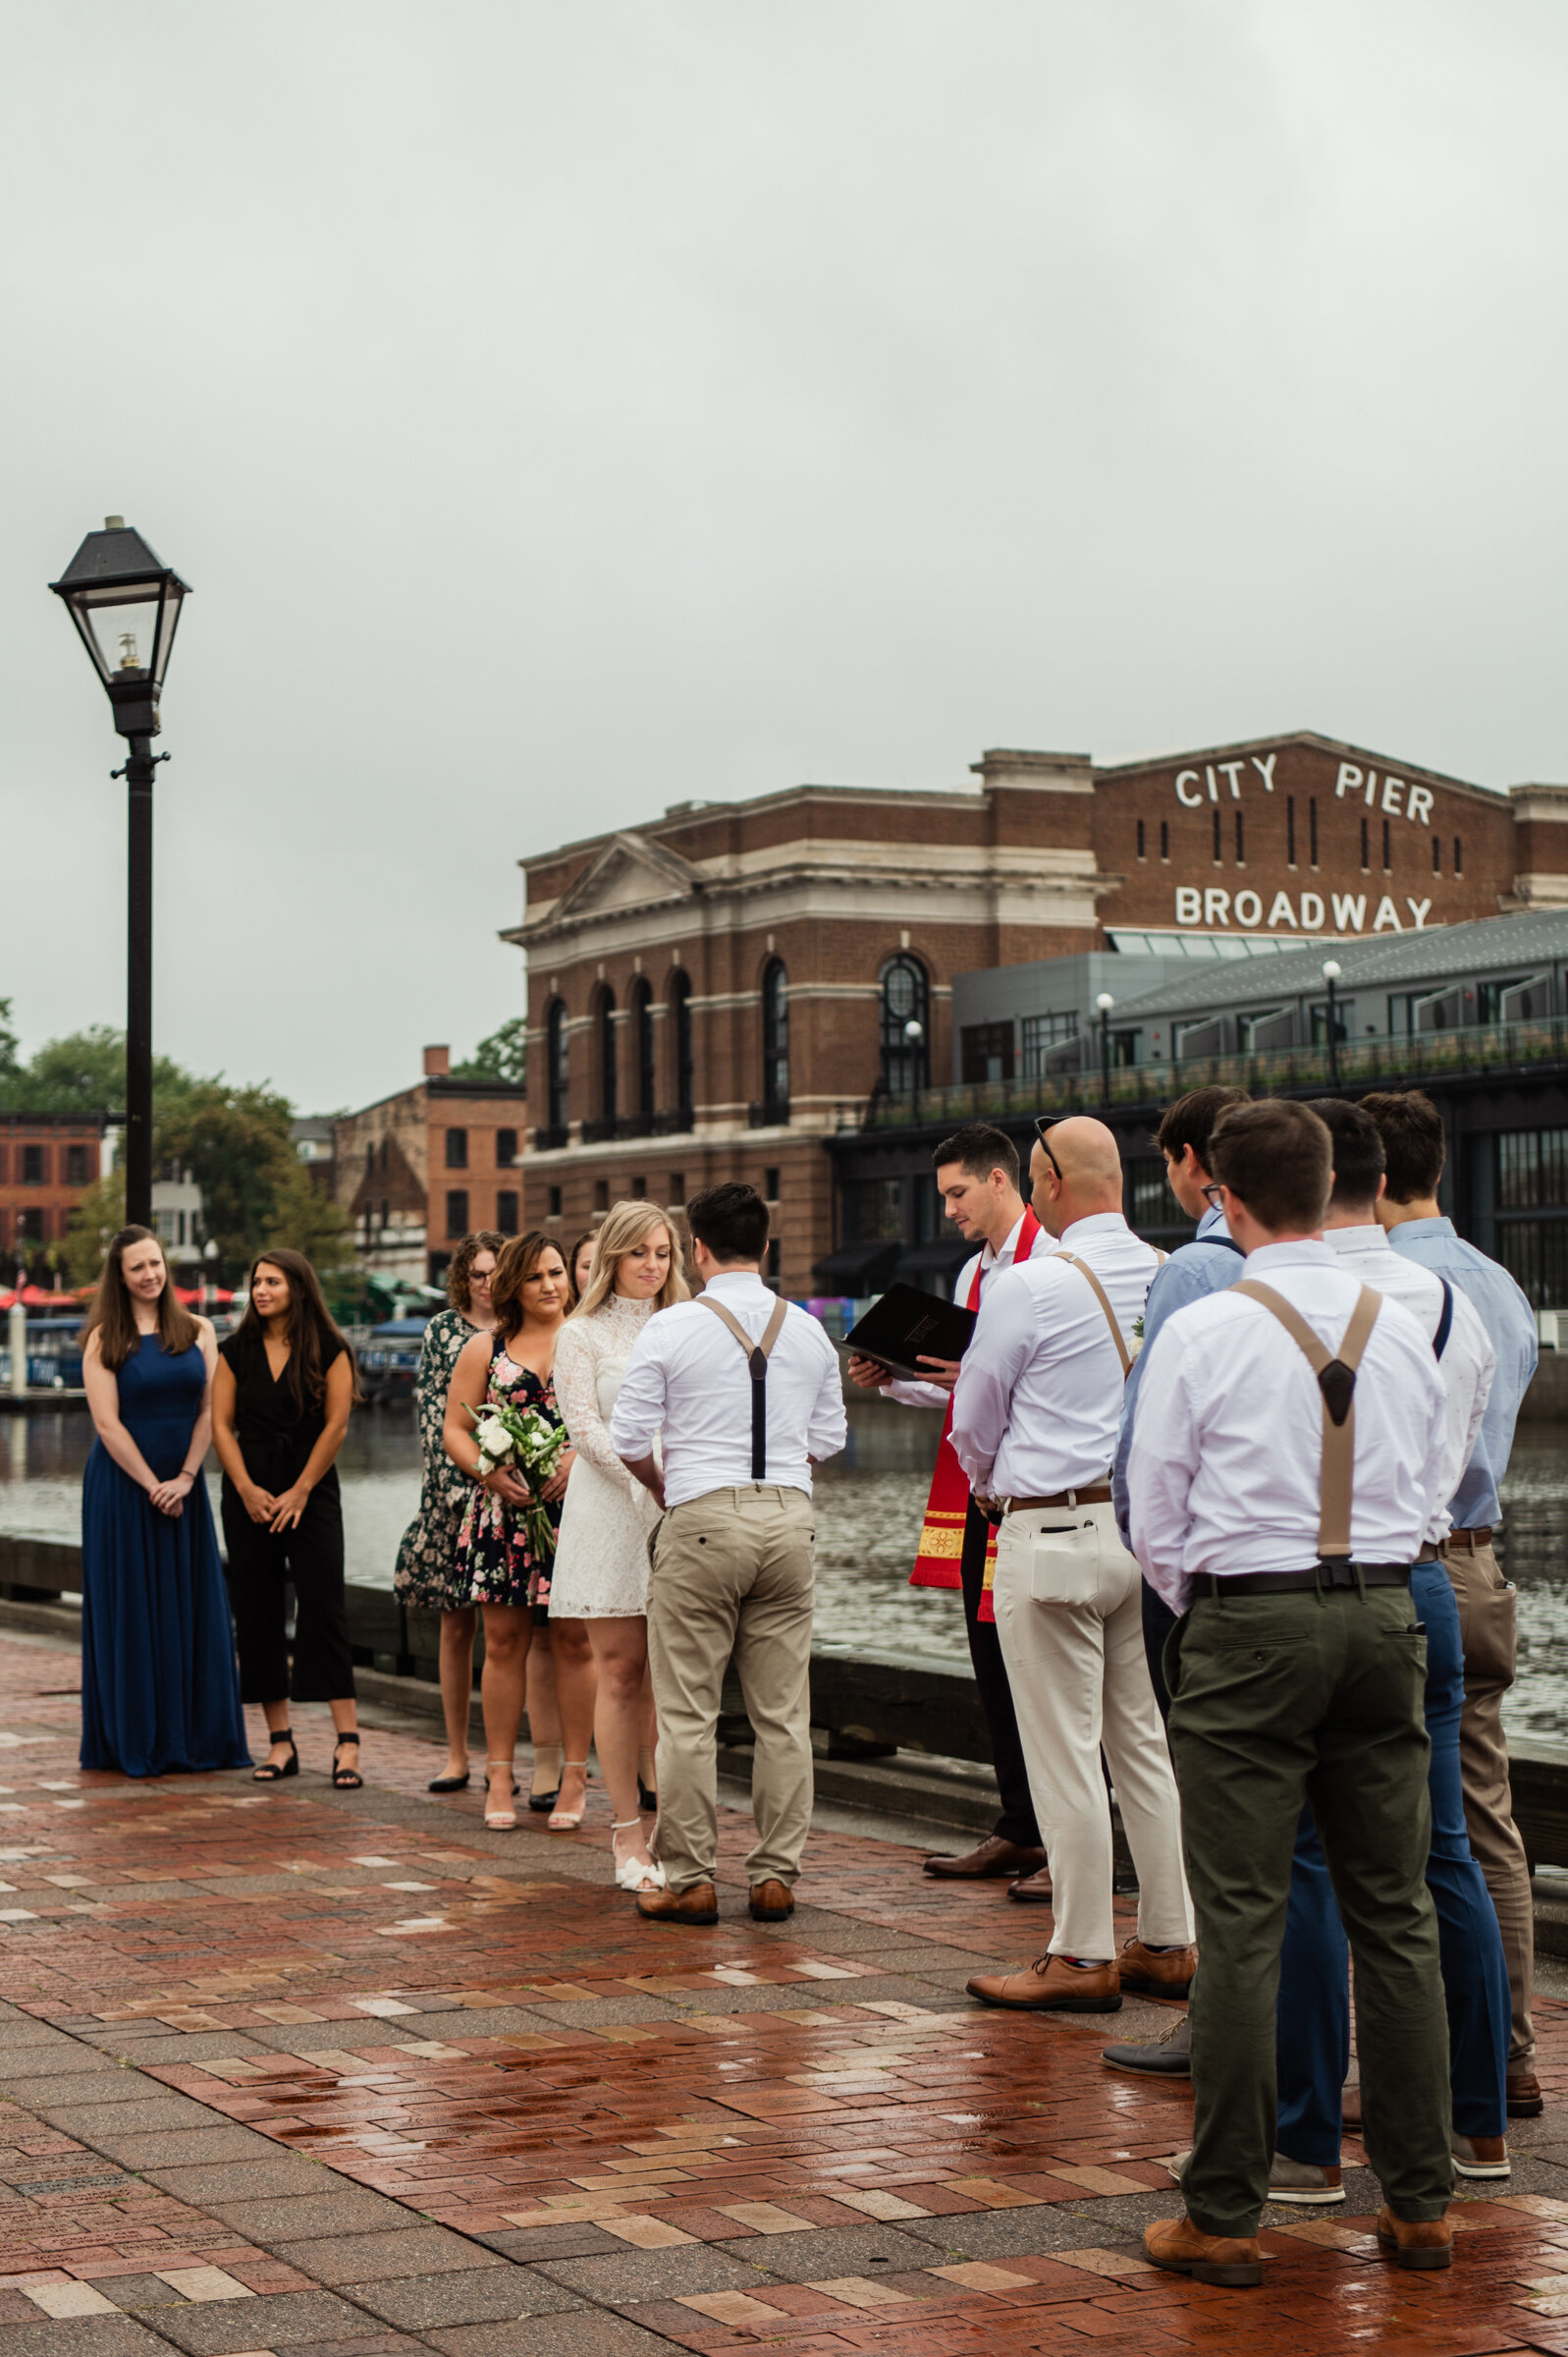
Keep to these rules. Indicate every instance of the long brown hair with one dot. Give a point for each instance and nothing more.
(515, 1265)
(571, 1259)
(309, 1329)
(113, 1318)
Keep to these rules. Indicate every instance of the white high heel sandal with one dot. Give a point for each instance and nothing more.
(500, 1821)
(566, 1821)
(630, 1873)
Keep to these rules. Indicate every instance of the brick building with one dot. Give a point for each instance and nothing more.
(47, 1162)
(715, 994)
(414, 1171)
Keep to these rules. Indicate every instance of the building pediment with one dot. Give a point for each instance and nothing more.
(628, 872)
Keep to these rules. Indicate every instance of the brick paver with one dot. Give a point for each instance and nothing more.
(299, 2070)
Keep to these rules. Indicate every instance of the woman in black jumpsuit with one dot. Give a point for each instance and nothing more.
(282, 1396)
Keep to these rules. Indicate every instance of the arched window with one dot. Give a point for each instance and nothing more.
(557, 1078)
(605, 1029)
(686, 1060)
(776, 1037)
(642, 1048)
(905, 1002)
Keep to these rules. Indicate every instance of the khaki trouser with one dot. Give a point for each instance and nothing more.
(1080, 1679)
(733, 1573)
(1487, 1629)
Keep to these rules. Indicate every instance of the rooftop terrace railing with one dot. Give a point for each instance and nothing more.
(1357, 1064)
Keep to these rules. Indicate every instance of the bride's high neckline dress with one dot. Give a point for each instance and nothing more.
(601, 1566)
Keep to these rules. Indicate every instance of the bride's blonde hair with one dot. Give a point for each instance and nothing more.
(626, 1227)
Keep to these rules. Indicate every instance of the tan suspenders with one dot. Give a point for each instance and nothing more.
(1103, 1299)
(757, 1358)
(1336, 1380)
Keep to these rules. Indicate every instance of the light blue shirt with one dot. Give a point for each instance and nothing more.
(1208, 1265)
(1510, 1321)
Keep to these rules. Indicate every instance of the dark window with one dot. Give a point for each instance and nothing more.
(1344, 1021)
(1164, 839)
(873, 1207)
(1217, 853)
(686, 1060)
(457, 1211)
(677, 1187)
(1437, 854)
(1366, 849)
(506, 1211)
(1532, 1170)
(1387, 848)
(776, 1034)
(1041, 1032)
(601, 1194)
(1459, 858)
(370, 1160)
(34, 1165)
(639, 1189)
(1290, 830)
(457, 1149)
(76, 1166)
(642, 1047)
(986, 1051)
(5, 1169)
(557, 1078)
(905, 1024)
(772, 1273)
(384, 1150)
(506, 1149)
(1151, 1206)
(555, 1203)
(606, 1023)
(1140, 837)
(1535, 1252)
(1533, 1178)
(29, 1226)
(1241, 851)
(1311, 828)
(386, 1211)
(769, 1183)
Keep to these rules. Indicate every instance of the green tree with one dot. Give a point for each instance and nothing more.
(98, 1215)
(304, 1216)
(504, 1056)
(235, 1143)
(9, 1063)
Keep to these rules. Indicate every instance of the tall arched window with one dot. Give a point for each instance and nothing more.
(604, 1032)
(641, 1005)
(905, 1002)
(557, 1076)
(776, 1037)
(686, 1060)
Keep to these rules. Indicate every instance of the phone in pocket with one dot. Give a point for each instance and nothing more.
(1064, 1562)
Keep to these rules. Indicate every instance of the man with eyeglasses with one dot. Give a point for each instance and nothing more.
(1036, 1411)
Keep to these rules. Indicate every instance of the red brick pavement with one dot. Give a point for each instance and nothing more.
(477, 2027)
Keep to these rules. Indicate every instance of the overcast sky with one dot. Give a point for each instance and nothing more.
(563, 411)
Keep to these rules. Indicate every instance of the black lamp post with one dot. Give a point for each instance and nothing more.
(1105, 1003)
(125, 606)
(914, 1032)
(1331, 973)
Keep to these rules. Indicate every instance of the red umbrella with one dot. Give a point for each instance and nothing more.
(34, 1298)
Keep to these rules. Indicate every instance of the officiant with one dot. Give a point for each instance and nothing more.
(977, 1178)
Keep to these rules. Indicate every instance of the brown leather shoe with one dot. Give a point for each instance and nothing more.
(1033, 1889)
(1416, 2243)
(771, 1901)
(1052, 1985)
(1232, 2261)
(1525, 2098)
(1146, 1972)
(993, 1858)
(699, 1904)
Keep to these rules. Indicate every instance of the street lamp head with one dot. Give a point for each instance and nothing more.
(126, 605)
(1104, 1001)
(1332, 969)
(914, 1031)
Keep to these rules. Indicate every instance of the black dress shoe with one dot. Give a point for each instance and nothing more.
(542, 1803)
(993, 1860)
(449, 1784)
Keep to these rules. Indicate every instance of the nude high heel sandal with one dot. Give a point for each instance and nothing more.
(501, 1820)
(630, 1873)
(566, 1821)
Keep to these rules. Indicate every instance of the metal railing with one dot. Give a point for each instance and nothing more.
(1356, 1066)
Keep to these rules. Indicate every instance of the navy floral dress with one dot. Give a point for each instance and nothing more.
(494, 1558)
(430, 1569)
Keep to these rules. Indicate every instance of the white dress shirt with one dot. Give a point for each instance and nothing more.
(1224, 1474)
(688, 1378)
(932, 1395)
(1038, 1403)
(1468, 1363)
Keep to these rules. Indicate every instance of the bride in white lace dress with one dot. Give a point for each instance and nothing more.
(600, 1575)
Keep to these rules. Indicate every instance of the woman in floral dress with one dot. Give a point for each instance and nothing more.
(429, 1571)
(514, 1367)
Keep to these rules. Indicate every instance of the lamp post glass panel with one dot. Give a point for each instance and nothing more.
(1331, 973)
(126, 604)
(1105, 1003)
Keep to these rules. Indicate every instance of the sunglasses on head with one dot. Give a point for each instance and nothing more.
(1042, 1126)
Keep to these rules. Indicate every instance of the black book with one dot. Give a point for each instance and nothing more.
(906, 1325)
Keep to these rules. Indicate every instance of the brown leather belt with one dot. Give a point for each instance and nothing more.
(1469, 1542)
(1099, 1494)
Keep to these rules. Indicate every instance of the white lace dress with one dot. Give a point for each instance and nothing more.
(601, 1566)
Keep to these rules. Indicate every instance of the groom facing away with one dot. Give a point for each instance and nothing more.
(746, 1391)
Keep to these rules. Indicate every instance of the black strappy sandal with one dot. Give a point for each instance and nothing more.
(345, 1780)
(269, 1772)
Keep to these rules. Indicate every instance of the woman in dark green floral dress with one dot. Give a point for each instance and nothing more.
(430, 1571)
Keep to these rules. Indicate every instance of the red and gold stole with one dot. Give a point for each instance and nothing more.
(941, 1549)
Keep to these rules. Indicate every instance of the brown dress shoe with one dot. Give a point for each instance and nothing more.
(1052, 1985)
(1416, 2243)
(1525, 2098)
(993, 1858)
(699, 1904)
(771, 1901)
(1033, 1889)
(1149, 1973)
(1232, 2261)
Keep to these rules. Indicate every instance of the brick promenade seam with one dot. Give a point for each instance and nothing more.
(343, 2075)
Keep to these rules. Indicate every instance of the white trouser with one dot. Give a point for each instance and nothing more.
(1069, 1615)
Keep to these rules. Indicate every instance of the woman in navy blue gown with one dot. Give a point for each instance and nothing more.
(159, 1688)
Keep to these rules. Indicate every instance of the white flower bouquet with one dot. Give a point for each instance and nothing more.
(530, 1446)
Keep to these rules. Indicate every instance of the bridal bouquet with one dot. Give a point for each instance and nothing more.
(530, 1446)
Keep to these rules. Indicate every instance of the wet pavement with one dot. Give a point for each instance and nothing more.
(291, 2069)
